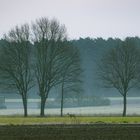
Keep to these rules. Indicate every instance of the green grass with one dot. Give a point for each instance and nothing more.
(65, 120)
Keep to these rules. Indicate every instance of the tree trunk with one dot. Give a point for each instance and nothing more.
(25, 106)
(42, 113)
(124, 105)
(62, 98)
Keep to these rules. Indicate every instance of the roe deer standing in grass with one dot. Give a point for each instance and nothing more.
(71, 115)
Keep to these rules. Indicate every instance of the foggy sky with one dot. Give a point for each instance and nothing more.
(93, 18)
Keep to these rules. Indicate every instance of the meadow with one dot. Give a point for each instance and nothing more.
(18, 120)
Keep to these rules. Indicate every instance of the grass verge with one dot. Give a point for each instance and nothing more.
(66, 120)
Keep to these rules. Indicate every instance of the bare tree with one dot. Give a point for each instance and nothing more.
(15, 62)
(119, 68)
(48, 38)
(71, 73)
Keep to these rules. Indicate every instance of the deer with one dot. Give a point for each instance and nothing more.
(71, 115)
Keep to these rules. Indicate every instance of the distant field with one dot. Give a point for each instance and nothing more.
(67, 120)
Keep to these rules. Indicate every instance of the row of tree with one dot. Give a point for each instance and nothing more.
(40, 56)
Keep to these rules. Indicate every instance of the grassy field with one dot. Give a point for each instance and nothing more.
(67, 120)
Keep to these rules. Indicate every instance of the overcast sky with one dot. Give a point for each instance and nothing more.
(93, 18)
